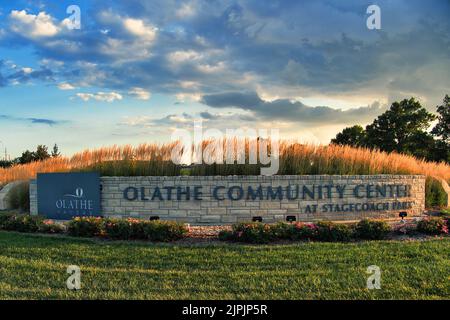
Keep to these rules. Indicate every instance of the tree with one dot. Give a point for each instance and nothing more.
(442, 131)
(6, 163)
(442, 128)
(41, 153)
(353, 136)
(420, 144)
(55, 151)
(401, 128)
(26, 157)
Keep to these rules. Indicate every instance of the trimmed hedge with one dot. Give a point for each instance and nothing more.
(253, 232)
(257, 232)
(118, 229)
(86, 227)
(49, 226)
(372, 230)
(332, 232)
(29, 224)
(21, 223)
(433, 226)
(126, 229)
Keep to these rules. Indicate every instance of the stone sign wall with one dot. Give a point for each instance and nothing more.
(228, 199)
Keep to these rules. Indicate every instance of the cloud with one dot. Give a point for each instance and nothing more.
(140, 93)
(24, 75)
(49, 122)
(3, 81)
(222, 120)
(186, 10)
(291, 111)
(171, 120)
(178, 57)
(27, 70)
(188, 96)
(66, 86)
(33, 26)
(226, 118)
(43, 121)
(248, 45)
(100, 96)
(243, 100)
(138, 28)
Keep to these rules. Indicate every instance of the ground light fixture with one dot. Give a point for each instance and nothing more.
(257, 219)
(154, 218)
(291, 218)
(403, 214)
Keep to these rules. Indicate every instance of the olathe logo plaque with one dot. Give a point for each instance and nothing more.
(63, 196)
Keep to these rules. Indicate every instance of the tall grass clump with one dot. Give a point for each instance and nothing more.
(19, 197)
(295, 158)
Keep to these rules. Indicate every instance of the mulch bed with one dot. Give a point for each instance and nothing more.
(206, 232)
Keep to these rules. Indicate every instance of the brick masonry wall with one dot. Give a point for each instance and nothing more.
(212, 211)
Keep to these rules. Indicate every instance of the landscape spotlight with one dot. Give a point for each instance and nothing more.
(291, 218)
(257, 219)
(402, 214)
(153, 218)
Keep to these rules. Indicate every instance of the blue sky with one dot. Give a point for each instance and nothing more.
(138, 69)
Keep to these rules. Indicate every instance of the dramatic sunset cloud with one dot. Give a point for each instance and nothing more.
(137, 69)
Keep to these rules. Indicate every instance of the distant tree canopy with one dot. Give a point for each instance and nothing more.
(5, 163)
(55, 151)
(403, 128)
(28, 156)
(353, 136)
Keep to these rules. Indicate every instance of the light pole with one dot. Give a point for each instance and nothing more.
(5, 158)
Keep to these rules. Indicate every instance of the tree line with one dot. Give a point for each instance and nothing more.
(406, 127)
(28, 156)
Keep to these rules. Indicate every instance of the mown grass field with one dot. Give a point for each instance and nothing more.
(34, 267)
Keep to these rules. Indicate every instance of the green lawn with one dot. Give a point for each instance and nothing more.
(34, 267)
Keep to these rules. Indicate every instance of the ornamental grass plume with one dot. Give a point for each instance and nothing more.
(295, 158)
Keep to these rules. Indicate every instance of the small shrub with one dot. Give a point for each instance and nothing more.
(226, 235)
(329, 231)
(86, 227)
(4, 217)
(22, 223)
(163, 230)
(372, 230)
(49, 226)
(138, 231)
(294, 231)
(252, 232)
(445, 213)
(282, 230)
(433, 226)
(304, 231)
(118, 228)
(185, 172)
